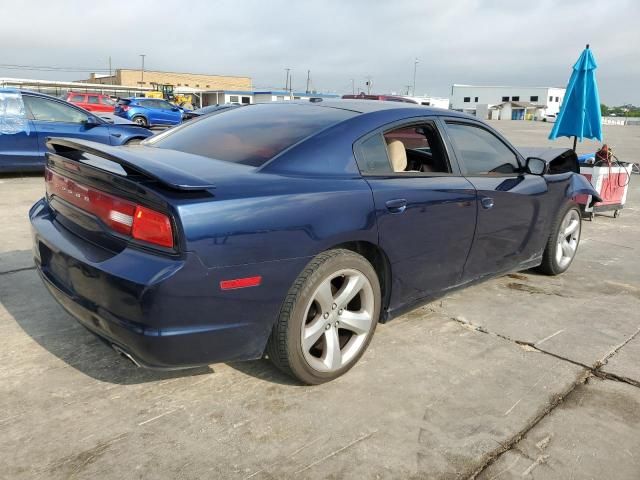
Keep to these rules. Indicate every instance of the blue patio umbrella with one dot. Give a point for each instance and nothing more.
(580, 115)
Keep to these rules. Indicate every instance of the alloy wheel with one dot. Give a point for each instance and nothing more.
(568, 238)
(337, 320)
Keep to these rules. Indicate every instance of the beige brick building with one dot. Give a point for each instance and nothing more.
(135, 78)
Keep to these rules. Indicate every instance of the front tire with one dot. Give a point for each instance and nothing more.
(563, 241)
(328, 318)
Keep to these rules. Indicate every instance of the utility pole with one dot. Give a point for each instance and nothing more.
(110, 79)
(142, 71)
(286, 81)
(291, 86)
(415, 66)
(368, 84)
(308, 80)
(353, 87)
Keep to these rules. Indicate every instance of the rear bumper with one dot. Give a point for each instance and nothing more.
(164, 312)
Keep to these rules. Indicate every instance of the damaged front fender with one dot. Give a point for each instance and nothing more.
(579, 185)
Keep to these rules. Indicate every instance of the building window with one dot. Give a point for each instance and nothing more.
(246, 100)
(505, 99)
(280, 97)
(515, 99)
(197, 85)
(466, 99)
(296, 98)
(208, 86)
(551, 99)
(233, 98)
(186, 84)
(475, 99)
(557, 99)
(533, 98)
(179, 84)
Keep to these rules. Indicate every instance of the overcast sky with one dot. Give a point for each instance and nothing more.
(485, 42)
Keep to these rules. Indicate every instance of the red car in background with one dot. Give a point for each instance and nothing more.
(94, 102)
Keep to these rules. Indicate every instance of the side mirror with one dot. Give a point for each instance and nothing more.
(91, 122)
(536, 166)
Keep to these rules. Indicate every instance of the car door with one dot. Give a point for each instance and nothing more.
(508, 232)
(55, 118)
(426, 219)
(18, 137)
(171, 114)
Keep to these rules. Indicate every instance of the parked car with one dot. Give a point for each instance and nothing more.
(94, 102)
(27, 119)
(551, 118)
(188, 115)
(292, 229)
(148, 112)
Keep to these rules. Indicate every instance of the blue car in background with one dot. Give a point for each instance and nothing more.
(148, 112)
(27, 119)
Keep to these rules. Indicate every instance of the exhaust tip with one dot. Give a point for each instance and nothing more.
(125, 354)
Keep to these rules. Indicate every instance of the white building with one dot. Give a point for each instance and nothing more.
(283, 95)
(514, 102)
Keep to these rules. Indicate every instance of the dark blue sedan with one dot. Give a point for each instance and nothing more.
(27, 119)
(292, 229)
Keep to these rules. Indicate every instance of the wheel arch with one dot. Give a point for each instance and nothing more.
(380, 262)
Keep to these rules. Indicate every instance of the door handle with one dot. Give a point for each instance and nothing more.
(486, 202)
(397, 205)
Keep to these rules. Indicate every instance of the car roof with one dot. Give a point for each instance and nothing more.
(371, 106)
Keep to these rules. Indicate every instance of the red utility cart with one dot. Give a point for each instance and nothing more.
(611, 182)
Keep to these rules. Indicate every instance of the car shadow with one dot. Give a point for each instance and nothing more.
(263, 369)
(31, 307)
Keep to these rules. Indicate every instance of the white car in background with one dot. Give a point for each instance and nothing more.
(550, 117)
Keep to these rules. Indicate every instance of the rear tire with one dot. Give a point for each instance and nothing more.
(140, 120)
(327, 319)
(563, 241)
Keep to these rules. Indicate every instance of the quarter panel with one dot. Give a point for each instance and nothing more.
(271, 218)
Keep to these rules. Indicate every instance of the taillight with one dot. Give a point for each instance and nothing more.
(122, 216)
(151, 226)
(124, 107)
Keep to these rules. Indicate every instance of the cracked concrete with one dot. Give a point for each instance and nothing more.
(524, 376)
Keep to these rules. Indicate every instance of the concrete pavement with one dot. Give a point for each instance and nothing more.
(524, 376)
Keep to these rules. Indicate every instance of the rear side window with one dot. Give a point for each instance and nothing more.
(250, 135)
(106, 101)
(373, 152)
(77, 99)
(93, 99)
(124, 102)
(482, 152)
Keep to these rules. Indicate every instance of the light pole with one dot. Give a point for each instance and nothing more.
(353, 87)
(142, 71)
(286, 81)
(415, 66)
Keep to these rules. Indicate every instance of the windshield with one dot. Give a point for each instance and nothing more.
(250, 135)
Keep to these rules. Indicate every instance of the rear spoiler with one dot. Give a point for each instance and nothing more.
(131, 162)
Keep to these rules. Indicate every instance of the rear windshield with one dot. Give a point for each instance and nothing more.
(250, 135)
(124, 101)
